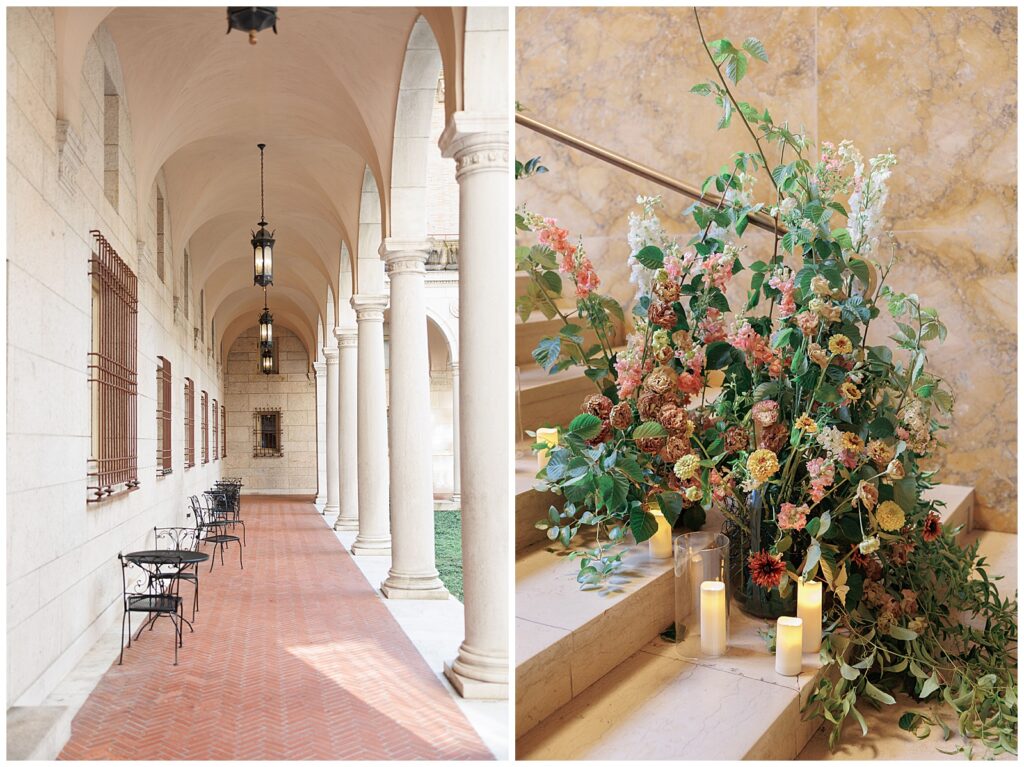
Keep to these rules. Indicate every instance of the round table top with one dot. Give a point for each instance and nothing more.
(166, 556)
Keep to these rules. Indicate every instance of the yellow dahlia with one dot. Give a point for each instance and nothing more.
(806, 424)
(890, 516)
(687, 466)
(840, 344)
(762, 464)
(852, 442)
(880, 453)
(849, 391)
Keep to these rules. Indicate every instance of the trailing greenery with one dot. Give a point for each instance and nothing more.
(448, 549)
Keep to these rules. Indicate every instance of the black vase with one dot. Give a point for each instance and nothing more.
(748, 596)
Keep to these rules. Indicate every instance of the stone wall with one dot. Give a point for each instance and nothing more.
(63, 578)
(936, 86)
(292, 390)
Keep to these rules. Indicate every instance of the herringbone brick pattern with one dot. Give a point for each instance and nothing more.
(293, 658)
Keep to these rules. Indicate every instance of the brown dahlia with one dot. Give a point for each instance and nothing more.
(766, 569)
(667, 290)
(774, 437)
(651, 445)
(649, 405)
(675, 448)
(660, 381)
(603, 436)
(599, 405)
(736, 439)
(621, 416)
(673, 418)
(662, 314)
(932, 527)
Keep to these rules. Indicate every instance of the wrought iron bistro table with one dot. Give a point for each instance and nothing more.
(157, 558)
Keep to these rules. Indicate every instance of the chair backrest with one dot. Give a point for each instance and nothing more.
(176, 538)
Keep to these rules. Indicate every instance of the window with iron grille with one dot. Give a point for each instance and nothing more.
(216, 436)
(266, 432)
(223, 432)
(190, 423)
(113, 375)
(163, 416)
(205, 426)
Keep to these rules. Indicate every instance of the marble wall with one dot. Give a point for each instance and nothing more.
(937, 86)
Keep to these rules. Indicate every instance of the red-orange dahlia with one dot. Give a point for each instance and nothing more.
(766, 569)
(932, 527)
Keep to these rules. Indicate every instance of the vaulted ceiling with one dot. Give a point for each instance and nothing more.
(322, 94)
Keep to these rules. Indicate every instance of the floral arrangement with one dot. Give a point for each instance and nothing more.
(812, 444)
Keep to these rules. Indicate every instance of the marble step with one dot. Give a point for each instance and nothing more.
(588, 662)
(549, 399)
(530, 504)
(885, 738)
(37, 733)
(536, 327)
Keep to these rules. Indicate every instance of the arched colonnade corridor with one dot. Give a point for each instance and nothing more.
(132, 137)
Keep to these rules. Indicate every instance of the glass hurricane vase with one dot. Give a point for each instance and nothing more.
(749, 597)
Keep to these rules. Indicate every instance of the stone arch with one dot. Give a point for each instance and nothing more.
(416, 98)
(369, 267)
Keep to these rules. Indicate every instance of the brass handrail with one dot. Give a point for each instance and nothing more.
(758, 219)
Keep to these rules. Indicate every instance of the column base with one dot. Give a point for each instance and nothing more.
(320, 502)
(413, 588)
(457, 499)
(474, 689)
(346, 524)
(328, 509)
(378, 548)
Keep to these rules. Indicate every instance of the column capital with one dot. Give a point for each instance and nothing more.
(331, 355)
(454, 367)
(477, 141)
(347, 336)
(319, 367)
(369, 307)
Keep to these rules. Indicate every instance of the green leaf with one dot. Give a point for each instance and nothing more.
(643, 524)
(861, 270)
(586, 426)
(860, 720)
(718, 355)
(899, 632)
(671, 506)
(701, 89)
(552, 281)
(930, 686)
(879, 695)
(736, 67)
(755, 48)
(651, 257)
(843, 238)
(848, 672)
(649, 429)
(547, 352)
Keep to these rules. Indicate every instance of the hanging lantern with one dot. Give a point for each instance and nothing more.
(252, 20)
(267, 360)
(262, 242)
(266, 329)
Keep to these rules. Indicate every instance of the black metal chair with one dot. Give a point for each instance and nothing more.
(180, 539)
(224, 502)
(214, 530)
(144, 594)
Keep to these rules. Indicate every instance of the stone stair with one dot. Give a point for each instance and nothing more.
(595, 681)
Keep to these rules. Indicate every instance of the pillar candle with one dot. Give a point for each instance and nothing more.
(661, 542)
(789, 640)
(808, 608)
(712, 618)
(550, 438)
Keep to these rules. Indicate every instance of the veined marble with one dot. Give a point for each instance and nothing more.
(936, 86)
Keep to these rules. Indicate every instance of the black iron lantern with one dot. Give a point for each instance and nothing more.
(267, 360)
(262, 242)
(266, 329)
(252, 21)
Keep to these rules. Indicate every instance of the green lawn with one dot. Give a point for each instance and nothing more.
(448, 549)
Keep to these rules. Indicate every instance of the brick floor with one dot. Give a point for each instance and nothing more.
(293, 658)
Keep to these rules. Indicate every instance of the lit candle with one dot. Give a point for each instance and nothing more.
(712, 618)
(661, 542)
(808, 608)
(789, 640)
(550, 438)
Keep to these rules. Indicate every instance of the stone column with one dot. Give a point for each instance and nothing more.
(372, 426)
(413, 574)
(331, 356)
(320, 368)
(479, 145)
(348, 518)
(456, 468)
